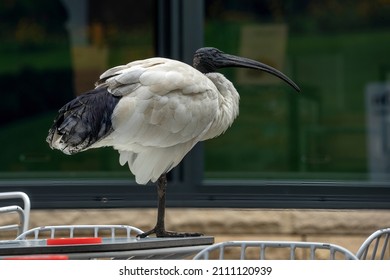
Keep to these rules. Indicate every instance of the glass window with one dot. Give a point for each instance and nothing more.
(337, 127)
(325, 147)
(50, 52)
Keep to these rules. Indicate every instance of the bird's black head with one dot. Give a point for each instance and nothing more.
(208, 60)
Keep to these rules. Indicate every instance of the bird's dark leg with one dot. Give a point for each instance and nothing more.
(159, 229)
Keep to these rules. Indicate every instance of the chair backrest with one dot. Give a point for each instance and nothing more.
(267, 250)
(376, 246)
(71, 231)
(23, 212)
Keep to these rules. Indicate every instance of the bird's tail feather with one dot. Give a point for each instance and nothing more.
(83, 121)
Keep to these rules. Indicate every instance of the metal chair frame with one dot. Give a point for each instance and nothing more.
(23, 212)
(262, 245)
(73, 229)
(379, 248)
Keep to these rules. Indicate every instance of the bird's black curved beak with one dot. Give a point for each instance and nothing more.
(229, 60)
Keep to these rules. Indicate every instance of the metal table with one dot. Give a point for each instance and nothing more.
(111, 248)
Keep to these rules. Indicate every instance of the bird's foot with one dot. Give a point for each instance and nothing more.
(163, 233)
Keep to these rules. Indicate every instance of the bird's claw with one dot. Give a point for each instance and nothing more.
(163, 233)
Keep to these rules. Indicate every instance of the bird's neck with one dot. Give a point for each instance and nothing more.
(228, 99)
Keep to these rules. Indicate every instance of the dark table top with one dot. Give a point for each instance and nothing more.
(28, 247)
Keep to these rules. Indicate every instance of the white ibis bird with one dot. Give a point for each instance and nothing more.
(153, 112)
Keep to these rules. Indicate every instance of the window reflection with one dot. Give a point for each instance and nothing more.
(334, 51)
(50, 52)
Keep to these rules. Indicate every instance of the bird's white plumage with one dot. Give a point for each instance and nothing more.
(166, 108)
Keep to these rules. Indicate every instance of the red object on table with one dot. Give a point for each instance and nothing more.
(74, 241)
(39, 257)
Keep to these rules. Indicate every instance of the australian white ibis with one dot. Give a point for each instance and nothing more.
(153, 112)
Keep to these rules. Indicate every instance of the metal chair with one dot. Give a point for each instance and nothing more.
(72, 231)
(376, 246)
(258, 249)
(23, 212)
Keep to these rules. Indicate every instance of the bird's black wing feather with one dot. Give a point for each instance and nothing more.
(83, 121)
